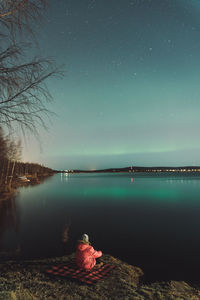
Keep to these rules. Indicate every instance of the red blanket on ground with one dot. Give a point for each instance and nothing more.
(71, 270)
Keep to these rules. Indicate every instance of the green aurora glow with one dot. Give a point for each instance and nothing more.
(130, 95)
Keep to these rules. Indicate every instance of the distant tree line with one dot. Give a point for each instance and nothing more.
(11, 167)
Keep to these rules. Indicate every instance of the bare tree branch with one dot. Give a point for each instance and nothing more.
(23, 93)
(19, 15)
(12, 10)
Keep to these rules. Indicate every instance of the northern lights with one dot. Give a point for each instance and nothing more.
(131, 91)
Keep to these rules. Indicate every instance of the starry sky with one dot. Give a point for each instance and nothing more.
(130, 94)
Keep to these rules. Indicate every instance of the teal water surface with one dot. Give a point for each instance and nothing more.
(149, 220)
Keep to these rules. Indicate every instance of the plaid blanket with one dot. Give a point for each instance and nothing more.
(71, 270)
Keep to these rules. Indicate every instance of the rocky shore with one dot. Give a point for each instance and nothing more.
(26, 280)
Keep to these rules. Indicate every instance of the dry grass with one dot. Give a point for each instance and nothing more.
(27, 281)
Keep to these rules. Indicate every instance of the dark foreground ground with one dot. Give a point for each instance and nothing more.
(26, 280)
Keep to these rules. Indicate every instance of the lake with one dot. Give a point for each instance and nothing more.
(148, 220)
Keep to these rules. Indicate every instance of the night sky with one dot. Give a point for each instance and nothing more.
(130, 94)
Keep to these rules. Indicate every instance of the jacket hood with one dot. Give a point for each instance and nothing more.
(82, 247)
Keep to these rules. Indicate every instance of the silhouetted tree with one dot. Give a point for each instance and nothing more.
(23, 94)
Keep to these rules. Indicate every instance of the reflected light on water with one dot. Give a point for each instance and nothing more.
(64, 177)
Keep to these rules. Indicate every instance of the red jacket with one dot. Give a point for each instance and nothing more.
(85, 256)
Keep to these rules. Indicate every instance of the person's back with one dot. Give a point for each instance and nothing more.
(85, 254)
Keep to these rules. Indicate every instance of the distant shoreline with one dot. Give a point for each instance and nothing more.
(137, 169)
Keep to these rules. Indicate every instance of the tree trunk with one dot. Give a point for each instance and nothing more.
(7, 172)
(2, 173)
(11, 176)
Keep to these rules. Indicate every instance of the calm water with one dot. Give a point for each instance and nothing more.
(148, 221)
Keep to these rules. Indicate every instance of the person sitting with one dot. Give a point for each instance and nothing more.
(85, 254)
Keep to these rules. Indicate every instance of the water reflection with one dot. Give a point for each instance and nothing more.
(9, 227)
(64, 177)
